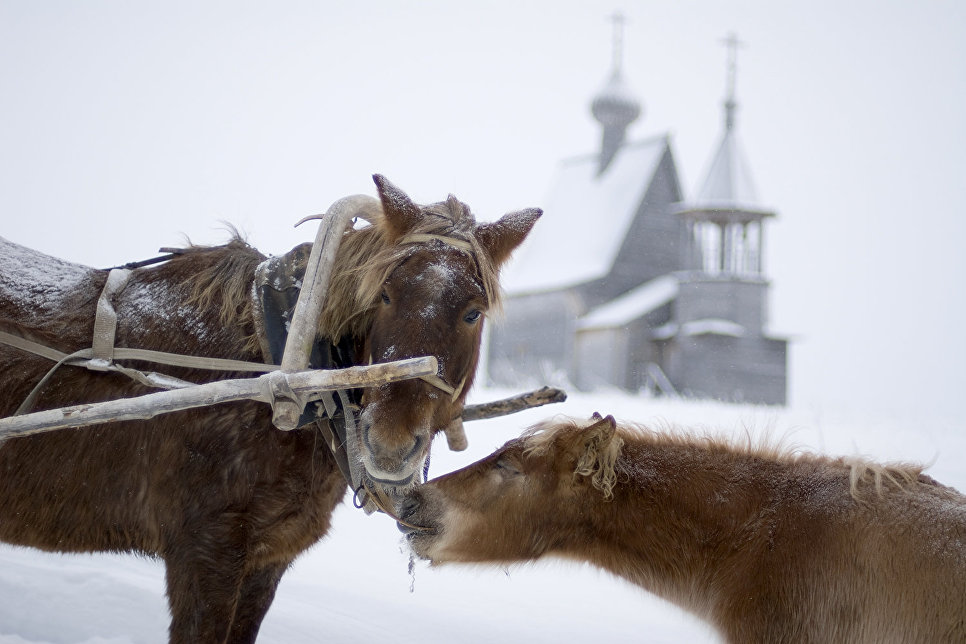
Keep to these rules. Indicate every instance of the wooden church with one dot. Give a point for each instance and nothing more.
(627, 284)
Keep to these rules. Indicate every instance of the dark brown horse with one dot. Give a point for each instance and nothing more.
(767, 546)
(226, 500)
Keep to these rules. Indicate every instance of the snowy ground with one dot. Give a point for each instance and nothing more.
(355, 586)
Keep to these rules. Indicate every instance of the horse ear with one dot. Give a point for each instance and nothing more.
(400, 212)
(602, 430)
(600, 447)
(501, 237)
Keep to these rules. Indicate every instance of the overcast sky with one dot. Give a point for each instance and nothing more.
(126, 125)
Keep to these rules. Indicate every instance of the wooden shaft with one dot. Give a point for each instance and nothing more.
(315, 284)
(305, 384)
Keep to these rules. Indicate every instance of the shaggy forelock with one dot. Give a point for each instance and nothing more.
(368, 256)
(598, 459)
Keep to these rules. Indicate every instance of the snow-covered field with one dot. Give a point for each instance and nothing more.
(356, 586)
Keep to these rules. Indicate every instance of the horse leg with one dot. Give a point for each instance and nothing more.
(204, 578)
(256, 595)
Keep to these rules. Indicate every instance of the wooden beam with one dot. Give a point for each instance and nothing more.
(513, 404)
(305, 385)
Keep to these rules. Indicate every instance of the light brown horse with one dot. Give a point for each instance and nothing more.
(226, 500)
(766, 545)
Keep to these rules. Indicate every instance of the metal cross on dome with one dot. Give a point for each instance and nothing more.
(732, 43)
(619, 21)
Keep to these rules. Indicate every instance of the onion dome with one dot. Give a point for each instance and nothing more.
(614, 106)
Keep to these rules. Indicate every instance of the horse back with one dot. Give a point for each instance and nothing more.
(140, 485)
(45, 296)
(883, 564)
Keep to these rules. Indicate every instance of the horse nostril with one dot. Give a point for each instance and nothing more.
(407, 505)
(419, 443)
(405, 508)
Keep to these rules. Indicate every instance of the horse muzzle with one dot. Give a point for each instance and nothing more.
(398, 467)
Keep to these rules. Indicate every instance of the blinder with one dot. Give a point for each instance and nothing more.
(276, 291)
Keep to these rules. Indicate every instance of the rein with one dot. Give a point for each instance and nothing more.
(87, 359)
(382, 501)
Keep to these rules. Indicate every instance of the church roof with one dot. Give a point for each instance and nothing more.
(586, 217)
(632, 305)
(728, 185)
(728, 182)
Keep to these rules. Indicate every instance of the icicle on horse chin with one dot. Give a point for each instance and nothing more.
(224, 498)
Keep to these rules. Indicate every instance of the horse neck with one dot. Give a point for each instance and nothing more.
(681, 516)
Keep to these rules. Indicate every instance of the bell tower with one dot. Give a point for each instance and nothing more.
(721, 348)
(725, 220)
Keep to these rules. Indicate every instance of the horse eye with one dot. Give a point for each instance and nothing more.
(385, 298)
(472, 316)
(506, 467)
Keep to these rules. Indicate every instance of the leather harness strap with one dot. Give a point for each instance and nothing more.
(455, 242)
(102, 354)
(105, 317)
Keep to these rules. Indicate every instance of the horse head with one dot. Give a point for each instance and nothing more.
(436, 283)
(518, 502)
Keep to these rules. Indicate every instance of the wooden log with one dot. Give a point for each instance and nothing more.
(513, 404)
(308, 309)
(304, 385)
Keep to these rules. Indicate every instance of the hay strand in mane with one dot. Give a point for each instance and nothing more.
(863, 472)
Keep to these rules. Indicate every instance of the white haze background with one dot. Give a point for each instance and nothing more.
(124, 126)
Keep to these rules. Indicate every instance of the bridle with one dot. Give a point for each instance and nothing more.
(375, 493)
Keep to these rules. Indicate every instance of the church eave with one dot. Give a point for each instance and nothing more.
(723, 212)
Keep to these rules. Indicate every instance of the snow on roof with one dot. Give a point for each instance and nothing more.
(586, 217)
(712, 326)
(705, 326)
(631, 305)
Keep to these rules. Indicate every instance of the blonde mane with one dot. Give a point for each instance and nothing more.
(862, 471)
(368, 255)
(599, 462)
(599, 459)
